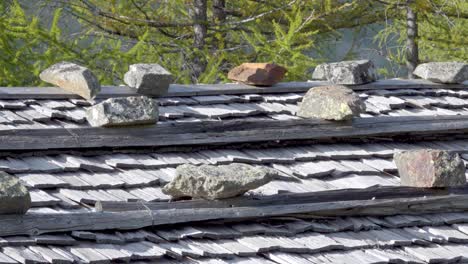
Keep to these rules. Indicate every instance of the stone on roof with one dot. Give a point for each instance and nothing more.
(14, 197)
(69, 184)
(148, 79)
(217, 182)
(73, 78)
(261, 74)
(346, 72)
(333, 102)
(124, 111)
(430, 168)
(443, 72)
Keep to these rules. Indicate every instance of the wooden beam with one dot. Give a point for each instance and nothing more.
(386, 192)
(228, 132)
(217, 89)
(411, 202)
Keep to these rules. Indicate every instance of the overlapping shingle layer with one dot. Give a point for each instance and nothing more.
(70, 113)
(68, 179)
(396, 239)
(72, 182)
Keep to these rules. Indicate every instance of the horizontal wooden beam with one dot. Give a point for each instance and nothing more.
(410, 202)
(217, 89)
(385, 192)
(228, 132)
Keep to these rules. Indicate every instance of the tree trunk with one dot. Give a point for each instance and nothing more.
(219, 16)
(412, 53)
(219, 12)
(200, 31)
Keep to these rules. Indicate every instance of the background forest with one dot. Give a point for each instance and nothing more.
(200, 40)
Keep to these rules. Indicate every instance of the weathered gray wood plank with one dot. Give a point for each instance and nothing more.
(217, 89)
(403, 201)
(227, 132)
(286, 199)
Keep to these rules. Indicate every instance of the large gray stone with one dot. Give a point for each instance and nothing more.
(334, 102)
(430, 168)
(73, 78)
(443, 72)
(149, 79)
(217, 182)
(14, 196)
(123, 111)
(346, 72)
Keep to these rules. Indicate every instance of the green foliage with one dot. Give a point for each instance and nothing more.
(287, 47)
(121, 35)
(108, 36)
(443, 32)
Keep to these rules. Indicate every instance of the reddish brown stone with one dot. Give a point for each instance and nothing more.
(430, 168)
(260, 74)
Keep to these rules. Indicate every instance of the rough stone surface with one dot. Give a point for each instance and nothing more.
(443, 72)
(430, 168)
(149, 79)
(260, 74)
(14, 196)
(73, 78)
(333, 102)
(346, 72)
(124, 111)
(217, 182)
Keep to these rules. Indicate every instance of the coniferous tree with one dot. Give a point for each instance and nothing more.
(200, 40)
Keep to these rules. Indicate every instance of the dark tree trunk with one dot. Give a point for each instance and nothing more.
(200, 31)
(412, 53)
(219, 16)
(219, 12)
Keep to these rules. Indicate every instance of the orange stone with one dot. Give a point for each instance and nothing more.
(260, 74)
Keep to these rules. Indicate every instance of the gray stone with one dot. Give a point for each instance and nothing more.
(334, 102)
(443, 72)
(149, 79)
(73, 78)
(14, 196)
(123, 111)
(346, 72)
(430, 168)
(217, 182)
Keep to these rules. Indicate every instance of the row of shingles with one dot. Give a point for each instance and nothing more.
(224, 244)
(450, 247)
(225, 106)
(130, 177)
(244, 239)
(120, 161)
(29, 114)
(95, 248)
(32, 114)
(281, 157)
(70, 113)
(70, 180)
(417, 102)
(112, 176)
(228, 106)
(449, 253)
(14, 113)
(337, 166)
(380, 102)
(312, 242)
(401, 102)
(393, 102)
(351, 166)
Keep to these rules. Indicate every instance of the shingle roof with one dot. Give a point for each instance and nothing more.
(71, 180)
(59, 109)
